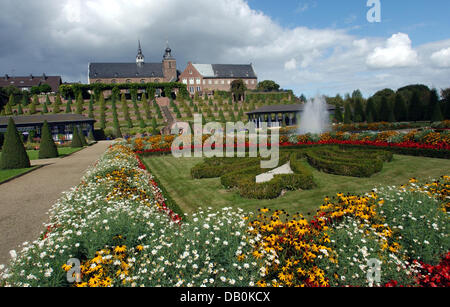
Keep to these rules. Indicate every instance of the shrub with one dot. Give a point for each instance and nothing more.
(48, 148)
(353, 163)
(76, 140)
(14, 155)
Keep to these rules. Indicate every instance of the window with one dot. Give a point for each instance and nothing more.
(199, 89)
(229, 82)
(191, 90)
(199, 81)
(98, 81)
(129, 81)
(190, 72)
(209, 82)
(142, 81)
(222, 81)
(216, 82)
(204, 82)
(113, 81)
(191, 81)
(184, 81)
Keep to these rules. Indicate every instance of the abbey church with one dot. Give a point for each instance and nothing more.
(138, 72)
(198, 78)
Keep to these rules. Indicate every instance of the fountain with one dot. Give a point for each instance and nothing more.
(315, 118)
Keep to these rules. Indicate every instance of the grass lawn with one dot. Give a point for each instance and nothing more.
(191, 194)
(8, 174)
(63, 152)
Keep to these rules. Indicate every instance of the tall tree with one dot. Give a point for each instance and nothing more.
(436, 112)
(385, 109)
(445, 93)
(359, 110)
(102, 111)
(79, 104)
(415, 108)
(371, 111)
(238, 90)
(400, 109)
(348, 114)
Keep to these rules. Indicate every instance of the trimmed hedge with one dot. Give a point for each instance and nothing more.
(348, 162)
(240, 174)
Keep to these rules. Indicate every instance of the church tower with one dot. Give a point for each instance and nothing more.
(169, 66)
(140, 57)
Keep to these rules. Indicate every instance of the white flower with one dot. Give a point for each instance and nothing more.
(13, 254)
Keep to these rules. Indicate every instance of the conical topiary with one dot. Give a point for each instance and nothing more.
(48, 147)
(14, 155)
(82, 137)
(76, 140)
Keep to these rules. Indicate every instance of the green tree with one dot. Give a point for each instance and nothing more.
(102, 111)
(48, 147)
(384, 109)
(400, 109)
(14, 155)
(69, 105)
(82, 137)
(154, 127)
(338, 114)
(76, 140)
(238, 90)
(20, 109)
(436, 113)
(91, 108)
(268, 86)
(347, 114)
(80, 103)
(359, 110)
(445, 93)
(8, 107)
(148, 112)
(415, 108)
(45, 108)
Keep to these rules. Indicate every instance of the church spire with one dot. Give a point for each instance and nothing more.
(140, 57)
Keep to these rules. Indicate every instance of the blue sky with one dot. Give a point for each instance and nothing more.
(424, 21)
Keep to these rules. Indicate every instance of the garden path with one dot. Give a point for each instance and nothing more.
(25, 201)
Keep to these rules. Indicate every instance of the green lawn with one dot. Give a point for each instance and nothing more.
(8, 174)
(191, 194)
(63, 152)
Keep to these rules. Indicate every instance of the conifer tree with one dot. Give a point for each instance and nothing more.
(91, 108)
(338, 114)
(8, 107)
(19, 109)
(80, 103)
(400, 110)
(148, 112)
(415, 108)
(45, 108)
(102, 111)
(69, 105)
(384, 109)
(371, 113)
(14, 155)
(347, 114)
(436, 112)
(82, 137)
(76, 140)
(47, 100)
(48, 147)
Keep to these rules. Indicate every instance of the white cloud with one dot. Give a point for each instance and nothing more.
(441, 58)
(291, 64)
(397, 53)
(223, 31)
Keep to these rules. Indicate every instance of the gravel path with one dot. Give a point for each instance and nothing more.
(25, 201)
(282, 170)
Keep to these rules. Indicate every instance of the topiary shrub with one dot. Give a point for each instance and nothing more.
(76, 140)
(14, 155)
(82, 137)
(48, 147)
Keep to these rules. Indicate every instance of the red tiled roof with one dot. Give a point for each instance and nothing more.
(30, 81)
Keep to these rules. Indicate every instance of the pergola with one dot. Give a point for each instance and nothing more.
(59, 124)
(279, 115)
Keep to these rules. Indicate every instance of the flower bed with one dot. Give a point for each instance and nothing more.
(118, 226)
(427, 143)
